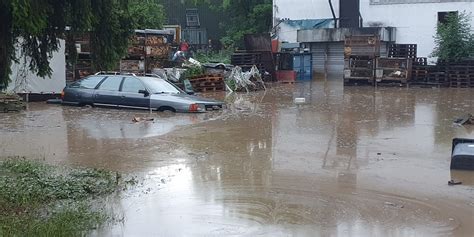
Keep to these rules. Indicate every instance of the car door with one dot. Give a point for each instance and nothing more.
(107, 93)
(82, 91)
(130, 95)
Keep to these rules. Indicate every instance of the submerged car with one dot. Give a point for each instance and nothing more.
(135, 92)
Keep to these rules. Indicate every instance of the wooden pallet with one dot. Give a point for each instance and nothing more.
(245, 59)
(425, 84)
(207, 83)
(358, 82)
(391, 83)
(402, 50)
(461, 76)
(209, 89)
(420, 61)
(419, 71)
(206, 79)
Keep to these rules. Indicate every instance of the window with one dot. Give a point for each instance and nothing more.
(111, 84)
(88, 82)
(157, 85)
(132, 85)
(443, 16)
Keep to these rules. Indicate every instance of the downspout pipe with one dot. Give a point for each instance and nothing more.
(333, 14)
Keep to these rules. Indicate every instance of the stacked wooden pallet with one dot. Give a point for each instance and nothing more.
(393, 70)
(246, 60)
(362, 45)
(402, 50)
(427, 75)
(438, 78)
(420, 73)
(146, 52)
(207, 83)
(360, 53)
(445, 74)
(359, 69)
(461, 76)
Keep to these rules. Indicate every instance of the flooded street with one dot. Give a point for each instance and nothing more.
(351, 161)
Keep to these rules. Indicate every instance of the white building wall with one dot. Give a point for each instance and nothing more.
(299, 10)
(415, 22)
(287, 33)
(304, 9)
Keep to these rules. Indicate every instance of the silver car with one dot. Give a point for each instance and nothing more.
(136, 92)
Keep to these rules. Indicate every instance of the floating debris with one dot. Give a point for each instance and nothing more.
(11, 102)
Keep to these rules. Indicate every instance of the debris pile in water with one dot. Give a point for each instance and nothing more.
(245, 81)
(11, 102)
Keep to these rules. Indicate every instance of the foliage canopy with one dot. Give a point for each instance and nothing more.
(243, 17)
(454, 38)
(30, 29)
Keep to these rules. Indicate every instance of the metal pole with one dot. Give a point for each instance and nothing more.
(333, 14)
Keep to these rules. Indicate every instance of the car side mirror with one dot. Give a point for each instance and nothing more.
(144, 92)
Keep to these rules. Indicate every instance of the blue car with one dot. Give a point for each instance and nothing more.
(135, 92)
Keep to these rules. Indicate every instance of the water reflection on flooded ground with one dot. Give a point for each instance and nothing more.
(353, 161)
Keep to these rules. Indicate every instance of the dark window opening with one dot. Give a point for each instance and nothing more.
(443, 16)
(349, 13)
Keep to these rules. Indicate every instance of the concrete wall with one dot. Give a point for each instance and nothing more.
(339, 34)
(415, 22)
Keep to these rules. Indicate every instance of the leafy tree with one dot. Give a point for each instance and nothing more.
(34, 27)
(7, 40)
(243, 17)
(112, 27)
(147, 14)
(454, 38)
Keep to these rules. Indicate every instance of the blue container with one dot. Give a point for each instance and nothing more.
(303, 65)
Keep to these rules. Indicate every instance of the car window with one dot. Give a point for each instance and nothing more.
(132, 85)
(88, 82)
(158, 85)
(111, 84)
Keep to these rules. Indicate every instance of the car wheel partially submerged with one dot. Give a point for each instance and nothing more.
(167, 109)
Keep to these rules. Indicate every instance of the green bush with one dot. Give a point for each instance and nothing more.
(42, 200)
(193, 71)
(454, 38)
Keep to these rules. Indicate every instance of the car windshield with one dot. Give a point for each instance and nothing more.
(158, 85)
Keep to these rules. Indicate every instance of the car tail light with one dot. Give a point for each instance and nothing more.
(62, 94)
(193, 108)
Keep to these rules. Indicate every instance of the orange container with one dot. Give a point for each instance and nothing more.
(286, 76)
(275, 45)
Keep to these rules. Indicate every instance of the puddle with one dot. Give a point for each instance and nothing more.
(350, 161)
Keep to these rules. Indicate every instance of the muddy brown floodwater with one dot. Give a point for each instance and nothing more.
(353, 161)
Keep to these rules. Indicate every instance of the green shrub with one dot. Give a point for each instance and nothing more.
(454, 38)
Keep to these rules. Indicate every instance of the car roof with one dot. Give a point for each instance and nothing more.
(124, 75)
(143, 77)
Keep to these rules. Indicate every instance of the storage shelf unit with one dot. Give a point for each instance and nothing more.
(397, 70)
